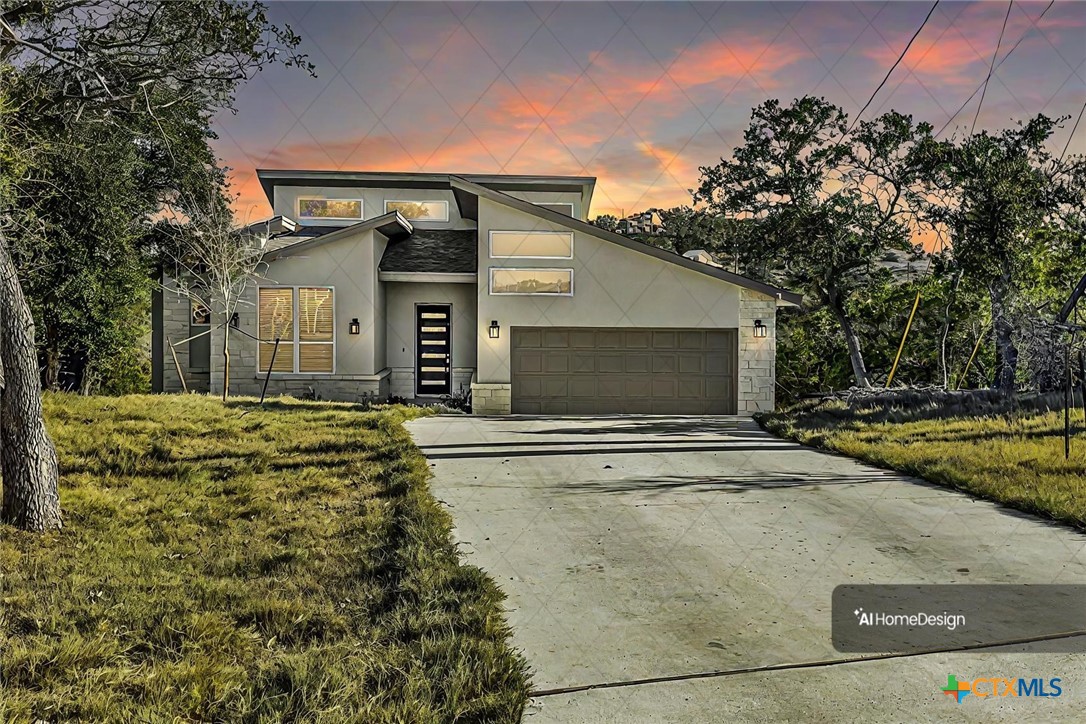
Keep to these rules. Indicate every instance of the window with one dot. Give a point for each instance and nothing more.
(531, 244)
(556, 282)
(561, 208)
(420, 210)
(303, 318)
(201, 315)
(330, 209)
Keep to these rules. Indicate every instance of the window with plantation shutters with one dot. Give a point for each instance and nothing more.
(302, 318)
(315, 322)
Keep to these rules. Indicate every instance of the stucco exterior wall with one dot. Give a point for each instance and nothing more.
(612, 287)
(349, 266)
(553, 197)
(400, 322)
(373, 204)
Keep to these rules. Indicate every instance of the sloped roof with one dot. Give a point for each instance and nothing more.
(463, 187)
(443, 251)
(393, 225)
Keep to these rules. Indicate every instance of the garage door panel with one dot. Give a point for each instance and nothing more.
(691, 364)
(568, 370)
(609, 363)
(581, 386)
(584, 361)
(610, 387)
(556, 362)
(528, 360)
(582, 338)
(664, 364)
(555, 338)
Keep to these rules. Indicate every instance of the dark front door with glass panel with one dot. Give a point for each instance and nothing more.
(433, 356)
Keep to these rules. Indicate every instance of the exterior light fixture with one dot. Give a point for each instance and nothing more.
(494, 329)
(235, 320)
(760, 330)
(355, 327)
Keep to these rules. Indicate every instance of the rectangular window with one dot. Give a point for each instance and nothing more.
(330, 209)
(304, 321)
(531, 244)
(561, 208)
(201, 315)
(554, 282)
(420, 210)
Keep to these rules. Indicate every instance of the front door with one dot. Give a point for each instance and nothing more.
(433, 353)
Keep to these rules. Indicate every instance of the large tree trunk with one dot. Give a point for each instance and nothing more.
(1006, 365)
(27, 456)
(855, 354)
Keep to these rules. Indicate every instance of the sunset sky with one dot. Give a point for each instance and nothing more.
(636, 94)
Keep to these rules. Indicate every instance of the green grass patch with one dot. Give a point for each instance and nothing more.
(1015, 458)
(231, 563)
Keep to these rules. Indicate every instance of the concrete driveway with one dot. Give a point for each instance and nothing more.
(665, 547)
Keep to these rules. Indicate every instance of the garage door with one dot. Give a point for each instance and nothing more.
(583, 371)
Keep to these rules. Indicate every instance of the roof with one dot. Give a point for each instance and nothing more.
(451, 251)
(270, 178)
(462, 188)
(392, 225)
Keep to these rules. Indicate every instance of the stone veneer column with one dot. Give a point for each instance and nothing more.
(757, 356)
(491, 399)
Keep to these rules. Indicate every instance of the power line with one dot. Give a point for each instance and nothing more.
(991, 66)
(1001, 62)
(894, 66)
(1072, 134)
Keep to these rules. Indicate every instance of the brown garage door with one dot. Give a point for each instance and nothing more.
(583, 371)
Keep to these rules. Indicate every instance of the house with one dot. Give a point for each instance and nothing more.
(646, 222)
(420, 285)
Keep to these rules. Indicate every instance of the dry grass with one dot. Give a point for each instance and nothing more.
(226, 563)
(1015, 458)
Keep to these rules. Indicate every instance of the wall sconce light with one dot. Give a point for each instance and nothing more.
(760, 330)
(235, 320)
(355, 327)
(494, 329)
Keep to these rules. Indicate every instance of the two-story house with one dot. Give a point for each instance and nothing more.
(421, 284)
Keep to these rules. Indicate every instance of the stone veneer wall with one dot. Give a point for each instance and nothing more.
(491, 399)
(176, 309)
(757, 356)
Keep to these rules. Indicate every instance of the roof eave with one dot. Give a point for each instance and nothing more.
(391, 225)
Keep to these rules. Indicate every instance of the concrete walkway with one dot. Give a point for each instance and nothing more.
(633, 548)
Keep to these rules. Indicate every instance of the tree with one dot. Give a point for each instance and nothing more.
(607, 222)
(1003, 198)
(111, 62)
(215, 262)
(828, 201)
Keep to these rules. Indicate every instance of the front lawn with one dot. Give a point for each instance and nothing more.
(227, 563)
(1016, 458)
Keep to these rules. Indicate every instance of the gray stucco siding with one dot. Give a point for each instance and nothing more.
(612, 287)
(400, 301)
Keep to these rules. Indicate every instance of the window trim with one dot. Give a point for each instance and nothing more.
(552, 204)
(443, 202)
(295, 341)
(490, 243)
(298, 208)
(490, 282)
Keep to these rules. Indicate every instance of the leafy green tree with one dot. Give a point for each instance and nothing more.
(1004, 199)
(828, 201)
(607, 222)
(113, 62)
